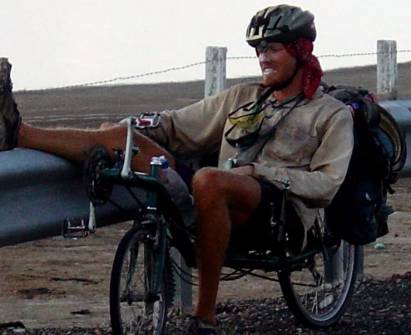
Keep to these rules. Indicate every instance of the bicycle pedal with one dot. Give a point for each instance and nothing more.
(75, 229)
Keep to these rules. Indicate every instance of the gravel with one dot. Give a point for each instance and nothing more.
(378, 307)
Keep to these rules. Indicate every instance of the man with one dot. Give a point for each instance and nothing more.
(281, 133)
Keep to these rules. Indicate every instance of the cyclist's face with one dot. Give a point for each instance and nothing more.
(276, 64)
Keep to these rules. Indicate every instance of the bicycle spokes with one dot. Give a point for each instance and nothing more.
(139, 295)
(318, 293)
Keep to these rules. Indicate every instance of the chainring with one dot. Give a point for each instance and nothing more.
(98, 190)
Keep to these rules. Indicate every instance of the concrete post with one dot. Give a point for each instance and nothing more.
(215, 80)
(387, 70)
(360, 265)
(184, 293)
(334, 267)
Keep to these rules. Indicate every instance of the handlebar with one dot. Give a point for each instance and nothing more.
(131, 150)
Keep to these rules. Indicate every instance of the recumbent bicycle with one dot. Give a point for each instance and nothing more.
(317, 283)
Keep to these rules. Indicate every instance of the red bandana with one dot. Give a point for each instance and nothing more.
(302, 49)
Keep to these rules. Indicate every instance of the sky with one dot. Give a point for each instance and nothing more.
(56, 43)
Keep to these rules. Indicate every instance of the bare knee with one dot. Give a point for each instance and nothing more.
(208, 183)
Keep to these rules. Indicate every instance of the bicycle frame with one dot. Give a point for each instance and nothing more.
(161, 226)
(152, 217)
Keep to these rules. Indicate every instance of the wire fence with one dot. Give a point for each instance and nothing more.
(183, 67)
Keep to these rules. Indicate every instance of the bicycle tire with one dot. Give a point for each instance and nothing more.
(132, 309)
(317, 310)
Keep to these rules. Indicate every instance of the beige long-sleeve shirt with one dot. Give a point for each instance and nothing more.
(310, 148)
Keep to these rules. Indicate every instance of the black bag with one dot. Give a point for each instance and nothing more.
(359, 212)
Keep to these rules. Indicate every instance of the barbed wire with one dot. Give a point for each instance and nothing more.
(362, 54)
(183, 67)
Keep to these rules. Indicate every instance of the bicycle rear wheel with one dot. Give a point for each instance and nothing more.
(319, 293)
(134, 306)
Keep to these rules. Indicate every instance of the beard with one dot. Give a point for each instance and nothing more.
(280, 85)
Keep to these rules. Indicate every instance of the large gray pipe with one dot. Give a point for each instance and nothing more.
(40, 191)
(401, 111)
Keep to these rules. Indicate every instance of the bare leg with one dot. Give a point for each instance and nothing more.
(75, 144)
(223, 199)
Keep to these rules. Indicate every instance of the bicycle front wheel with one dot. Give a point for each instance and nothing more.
(319, 293)
(136, 307)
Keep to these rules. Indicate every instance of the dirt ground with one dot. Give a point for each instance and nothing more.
(64, 283)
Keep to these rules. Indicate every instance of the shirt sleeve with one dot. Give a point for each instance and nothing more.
(196, 129)
(328, 166)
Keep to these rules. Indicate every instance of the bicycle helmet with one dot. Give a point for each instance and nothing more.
(281, 24)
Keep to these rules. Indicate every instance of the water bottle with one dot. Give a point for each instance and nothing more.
(178, 191)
